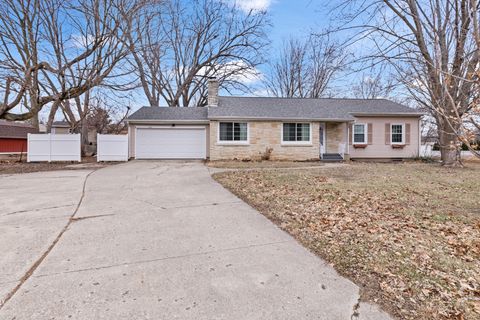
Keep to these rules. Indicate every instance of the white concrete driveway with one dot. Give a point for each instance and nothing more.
(154, 240)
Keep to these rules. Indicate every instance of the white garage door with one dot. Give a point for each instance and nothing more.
(171, 143)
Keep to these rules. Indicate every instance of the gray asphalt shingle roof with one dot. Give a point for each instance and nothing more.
(293, 108)
(278, 108)
(164, 113)
(60, 124)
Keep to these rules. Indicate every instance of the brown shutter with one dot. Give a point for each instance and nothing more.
(370, 133)
(350, 133)
(407, 133)
(387, 133)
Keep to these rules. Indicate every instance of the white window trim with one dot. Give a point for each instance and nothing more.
(365, 133)
(297, 143)
(230, 143)
(403, 133)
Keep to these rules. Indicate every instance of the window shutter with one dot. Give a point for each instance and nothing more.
(350, 134)
(407, 133)
(370, 133)
(387, 133)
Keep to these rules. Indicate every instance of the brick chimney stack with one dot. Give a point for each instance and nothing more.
(213, 92)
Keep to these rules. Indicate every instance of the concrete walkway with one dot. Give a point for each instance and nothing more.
(154, 240)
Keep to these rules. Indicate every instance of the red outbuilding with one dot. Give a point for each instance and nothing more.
(13, 136)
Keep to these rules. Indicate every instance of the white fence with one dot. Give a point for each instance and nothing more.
(426, 150)
(54, 147)
(464, 155)
(112, 147)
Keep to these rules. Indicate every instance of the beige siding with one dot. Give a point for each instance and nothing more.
(378, 148)
(263, 135)
(60, 130)
(267, 134)
(208, 141)
(131, 141)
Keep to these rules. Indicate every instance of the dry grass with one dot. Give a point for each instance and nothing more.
(408, 234)
(237, 164)
(13, 166)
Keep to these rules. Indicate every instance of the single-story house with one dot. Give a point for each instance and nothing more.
(278, 128)
(13, 136)
(60, 127)
(63, 127)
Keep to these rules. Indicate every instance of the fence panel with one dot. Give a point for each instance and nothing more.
(426, 150)
(54, 147)
(112, 147)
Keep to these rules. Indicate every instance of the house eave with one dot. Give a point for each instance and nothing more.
(156, 121)
(387, 115)
(280, 119)
(14, 137)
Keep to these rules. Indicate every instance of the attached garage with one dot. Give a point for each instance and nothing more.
(168, 133)
(171, 142)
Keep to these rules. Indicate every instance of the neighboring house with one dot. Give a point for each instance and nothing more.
(60, 127)
(63, 127)
(13, 136)
(278, 128)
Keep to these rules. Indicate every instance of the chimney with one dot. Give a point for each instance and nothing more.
(212, 92)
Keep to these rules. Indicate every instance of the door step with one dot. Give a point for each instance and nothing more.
(332, 157)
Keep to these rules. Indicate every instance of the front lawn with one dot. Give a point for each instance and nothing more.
(408, 234)
(238, 164)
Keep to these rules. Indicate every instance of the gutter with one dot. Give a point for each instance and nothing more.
(167, 121)
(396, 114)
(282, 119)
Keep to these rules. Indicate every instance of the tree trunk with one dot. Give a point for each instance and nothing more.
(35, 121)
(51, 116)
(449, 146)
(84, 137)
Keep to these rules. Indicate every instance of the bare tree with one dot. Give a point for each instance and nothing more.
(304, 69)
(432, 47)
(106, 117)
(52, 51)
(373, 86)
(176, 45)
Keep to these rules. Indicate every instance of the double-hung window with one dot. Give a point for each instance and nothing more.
(233, 132)
(359, 133)
(397, 132)
(296, 132)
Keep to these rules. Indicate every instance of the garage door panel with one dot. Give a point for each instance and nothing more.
(171, 143)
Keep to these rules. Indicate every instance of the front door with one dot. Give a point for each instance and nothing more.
(322, 139)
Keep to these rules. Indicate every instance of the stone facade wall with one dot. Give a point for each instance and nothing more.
(264, 135)
(336, 135)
